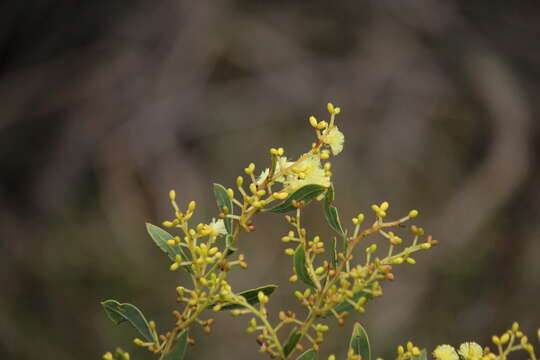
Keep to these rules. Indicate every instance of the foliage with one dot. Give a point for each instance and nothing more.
(337, 276)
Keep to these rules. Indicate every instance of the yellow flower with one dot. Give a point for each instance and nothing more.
(308, 171)
(471, 351)
(445, 352)
(217, 227)
(335, 139)
(263, 176)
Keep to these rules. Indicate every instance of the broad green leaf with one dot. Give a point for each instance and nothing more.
(422, 356)
(346, 306)
(311, 354)
(251, 297)
(331, 213)
(179, 349)
(334, 253)
(119, 313)
(360, 342)
(161, 237)
(223, 200)
(301, 267)
(305, 193)
(292, 340)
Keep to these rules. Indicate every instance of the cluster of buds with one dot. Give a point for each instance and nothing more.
(119, 354)
(408, 351)
(179, 215)
(513, 339)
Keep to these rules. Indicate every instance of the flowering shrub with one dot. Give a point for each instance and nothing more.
(338, 278)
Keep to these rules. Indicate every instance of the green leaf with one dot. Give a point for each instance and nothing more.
(161, 237)
(223, 200)
(273, 167)
(305, 193)
(334, 253)
(119, 313)
(251, 297)
(360, 342)
(331, 213)
(179, 349)
(301, 267)
(311, 354)
(292, 340)
(422, 356)
(229, 244)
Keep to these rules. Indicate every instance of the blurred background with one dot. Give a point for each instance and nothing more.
(106, 105)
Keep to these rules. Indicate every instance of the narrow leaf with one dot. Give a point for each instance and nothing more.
(360, 342)
(161, 237)
(223, 200)
(229, 244)
(251, 297)
(273, 167)
(331, 213)
(292, 340)
(179, 349)
(119, 313)
(422, 356)
(305, 193)
(334, 253)
(300, 266)
(311, 354)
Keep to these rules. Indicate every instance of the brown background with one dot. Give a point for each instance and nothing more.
(106, 105)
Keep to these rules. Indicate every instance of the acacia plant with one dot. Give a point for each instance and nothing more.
(339, 275)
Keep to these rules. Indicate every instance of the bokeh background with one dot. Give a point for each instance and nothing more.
(106, 105)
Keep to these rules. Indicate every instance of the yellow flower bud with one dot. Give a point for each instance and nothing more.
(330, 108)
(174, 266)
(313, 121)
(413, 213)
(168, 224)
(192, 205)
(505, 338)
(239, 181)
(107, 356)
(323, 124)
(263, 299)
(172, 195)
(289, 252)
(496, 340)
(425, 246)
(384, 206)
(411, 261)
(230, 193)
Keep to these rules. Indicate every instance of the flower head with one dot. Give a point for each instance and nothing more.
(263, 176)
(445, 352)
(335, 139)
(308, 171)
(217, 227)
(471, 351)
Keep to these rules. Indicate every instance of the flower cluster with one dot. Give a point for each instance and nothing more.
(337, 277)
